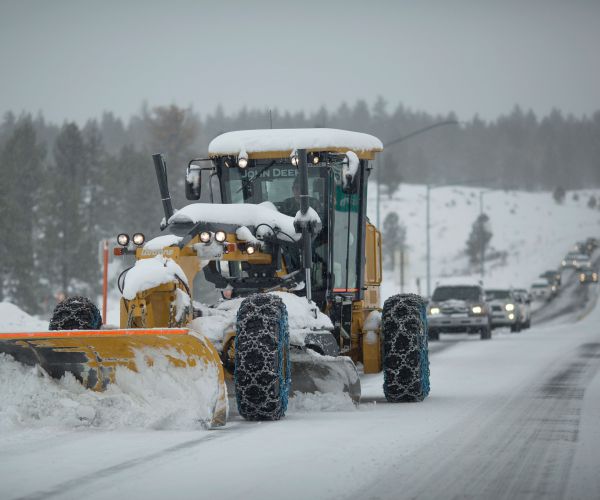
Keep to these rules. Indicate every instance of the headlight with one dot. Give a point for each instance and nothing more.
(123, 239)
(250, 249)
(477, 309)
(564, 262)
(434, 310)
(204, 236)
(243, 160)
(511, 316)
(581, 277)
(220, 236)
(509, 307)
(138, 239)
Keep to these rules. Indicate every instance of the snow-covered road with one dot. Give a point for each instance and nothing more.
(515, 417)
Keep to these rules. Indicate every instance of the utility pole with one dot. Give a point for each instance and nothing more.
(428, 245)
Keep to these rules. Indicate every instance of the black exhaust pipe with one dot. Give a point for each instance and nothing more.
(161, 176)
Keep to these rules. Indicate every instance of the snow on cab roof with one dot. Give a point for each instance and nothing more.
(281, 142)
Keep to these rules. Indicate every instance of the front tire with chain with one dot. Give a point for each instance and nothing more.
(262, 361)
(76, 313)
(405, 349)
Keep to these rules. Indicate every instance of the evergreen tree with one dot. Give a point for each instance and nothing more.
(70, 255)
(559, 195)
(479, 239)
(394, 235)
(20, 167)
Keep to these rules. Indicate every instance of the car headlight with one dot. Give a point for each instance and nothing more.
(477, 309)
(220, 236)
(434, 310)
(581, 277)
(138, 239)
(564, 262)
(123, 239)
(511, 316)
(204, 236)
(250, 249)
(509, 307)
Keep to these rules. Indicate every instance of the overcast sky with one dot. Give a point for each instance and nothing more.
(75, 59)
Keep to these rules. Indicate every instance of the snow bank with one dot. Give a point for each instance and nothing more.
(13, 319)
(161, 397)
(148, 273)
(245, 214)
(218, 320)
(255, 141)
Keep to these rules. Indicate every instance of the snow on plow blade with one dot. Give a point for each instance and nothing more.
(96, 357)
(313, 372)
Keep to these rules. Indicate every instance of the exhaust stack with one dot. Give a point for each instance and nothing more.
(160, 165)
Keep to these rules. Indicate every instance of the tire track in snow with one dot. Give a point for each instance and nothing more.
(85, 480)
(523, 447)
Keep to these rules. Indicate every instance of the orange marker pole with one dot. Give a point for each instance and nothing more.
(104, 280)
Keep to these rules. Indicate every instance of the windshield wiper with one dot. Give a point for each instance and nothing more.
(247, 181)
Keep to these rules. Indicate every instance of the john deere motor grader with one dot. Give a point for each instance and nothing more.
(291, 220)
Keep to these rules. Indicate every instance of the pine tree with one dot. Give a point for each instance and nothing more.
(70, 257)
(21, 166)
(479, 239)
(559, 195)
(394, 235)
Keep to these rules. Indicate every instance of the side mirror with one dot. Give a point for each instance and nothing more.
(193, 177)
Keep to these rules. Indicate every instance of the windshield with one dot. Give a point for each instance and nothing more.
(277, 182)
(442, 293)
(274, 181)
(497, 294)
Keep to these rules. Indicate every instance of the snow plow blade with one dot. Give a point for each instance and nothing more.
(95, 357)
(313, 372)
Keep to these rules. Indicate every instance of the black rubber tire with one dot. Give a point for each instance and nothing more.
(262, 360)
(405, 349)
(433, 334)
(76, 313)
(516, 328)
(486, 333)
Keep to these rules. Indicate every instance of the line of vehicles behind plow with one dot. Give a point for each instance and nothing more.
(462, 306)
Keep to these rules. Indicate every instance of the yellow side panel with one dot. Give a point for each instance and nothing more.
(373, 256)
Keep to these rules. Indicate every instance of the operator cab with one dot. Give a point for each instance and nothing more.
(260, 167)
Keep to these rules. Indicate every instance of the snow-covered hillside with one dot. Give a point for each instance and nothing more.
(533, 230)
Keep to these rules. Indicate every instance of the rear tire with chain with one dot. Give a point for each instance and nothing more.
(262, 360)
(76, 313)
(405, 349)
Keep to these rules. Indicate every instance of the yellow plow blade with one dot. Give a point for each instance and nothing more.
(95, 356)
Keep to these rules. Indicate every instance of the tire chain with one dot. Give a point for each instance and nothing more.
(405, 356)
(261, 352)
(76, 313)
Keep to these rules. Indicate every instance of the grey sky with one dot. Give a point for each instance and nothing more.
(74, 59)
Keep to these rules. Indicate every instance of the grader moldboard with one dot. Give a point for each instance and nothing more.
(292, 219)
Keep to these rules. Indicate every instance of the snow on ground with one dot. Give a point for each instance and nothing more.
(533, 230)
(13, 319)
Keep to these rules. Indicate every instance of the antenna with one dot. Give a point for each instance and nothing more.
(271, 118)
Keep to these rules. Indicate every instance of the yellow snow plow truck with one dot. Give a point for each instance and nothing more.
(286, 244)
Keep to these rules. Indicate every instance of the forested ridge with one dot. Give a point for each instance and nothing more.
(66, 186)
